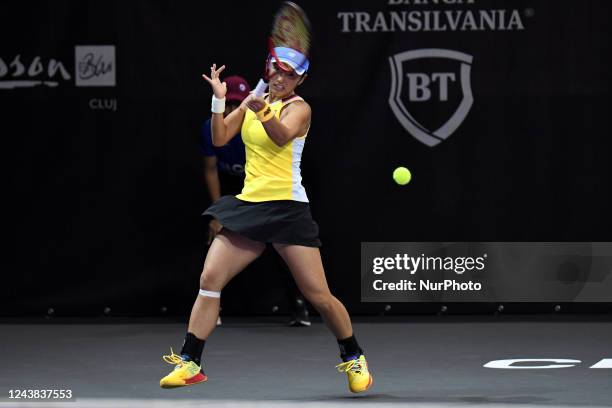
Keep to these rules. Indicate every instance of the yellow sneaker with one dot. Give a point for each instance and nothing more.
(185, 373)
(359, 377)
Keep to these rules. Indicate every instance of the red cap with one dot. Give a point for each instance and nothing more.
(237, 88)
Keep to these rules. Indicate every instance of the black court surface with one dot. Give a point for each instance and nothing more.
(416, 362)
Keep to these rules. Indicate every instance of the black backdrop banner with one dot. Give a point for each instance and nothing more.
(499, 108)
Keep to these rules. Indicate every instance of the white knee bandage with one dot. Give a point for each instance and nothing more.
(209, 293)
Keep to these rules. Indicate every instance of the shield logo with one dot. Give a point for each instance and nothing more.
(434, 85)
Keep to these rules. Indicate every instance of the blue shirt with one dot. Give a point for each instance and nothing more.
(230, 158)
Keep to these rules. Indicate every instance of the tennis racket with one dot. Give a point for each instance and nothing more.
(290, 29)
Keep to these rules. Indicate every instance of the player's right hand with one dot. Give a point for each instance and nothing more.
(219, 88)
(254, 103)
(214, 227)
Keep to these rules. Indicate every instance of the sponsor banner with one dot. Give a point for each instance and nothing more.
(95, 65)
(411, 85)
(434, 16)
(486, 271)
(22, 72)
(430, 91)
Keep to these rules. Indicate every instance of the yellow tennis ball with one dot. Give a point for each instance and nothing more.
(402, 176)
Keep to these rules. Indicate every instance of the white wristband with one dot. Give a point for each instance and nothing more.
(218, 105)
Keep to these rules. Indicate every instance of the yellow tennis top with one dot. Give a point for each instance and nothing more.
(272, 172)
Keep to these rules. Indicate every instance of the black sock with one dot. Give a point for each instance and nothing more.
(193, 348)
(349, 348)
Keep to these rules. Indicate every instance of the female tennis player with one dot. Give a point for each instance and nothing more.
(272, 208)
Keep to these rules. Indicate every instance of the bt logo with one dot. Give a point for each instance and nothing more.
(423, 82)
(420, 84)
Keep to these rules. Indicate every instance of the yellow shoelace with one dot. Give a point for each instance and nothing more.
(352, 365)
(173, 358)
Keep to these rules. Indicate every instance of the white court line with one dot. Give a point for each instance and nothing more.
(203, 403)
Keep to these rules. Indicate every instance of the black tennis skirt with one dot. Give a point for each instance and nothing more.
(278, 222)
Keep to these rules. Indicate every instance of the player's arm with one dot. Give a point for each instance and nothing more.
(226, 127)
(294, 121)
(223, 129)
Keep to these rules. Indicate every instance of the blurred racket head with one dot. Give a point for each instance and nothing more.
(290, 29)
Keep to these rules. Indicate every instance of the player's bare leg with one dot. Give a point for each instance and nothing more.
(307, 270)
(229, 254)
